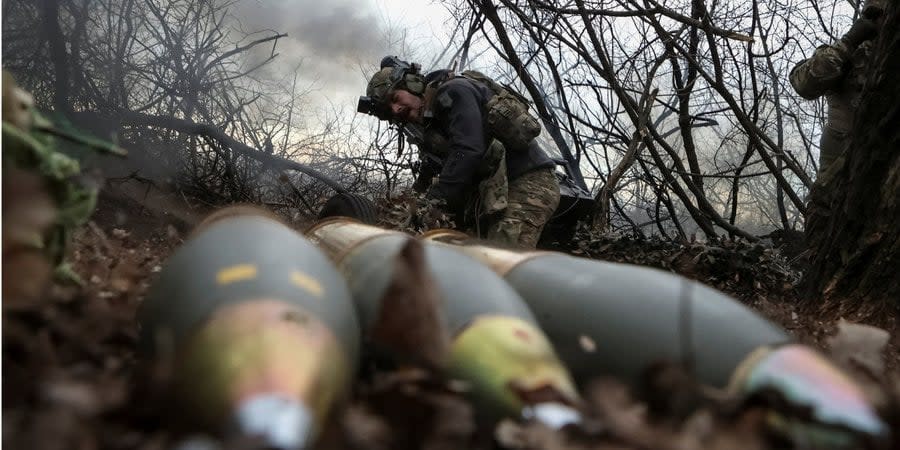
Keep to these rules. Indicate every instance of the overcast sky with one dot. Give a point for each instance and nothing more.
(331, 39)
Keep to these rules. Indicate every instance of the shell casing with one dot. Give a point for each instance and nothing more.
(365, 255)
(248, 306)
(496, 346)
(618, 319)
(338, 235)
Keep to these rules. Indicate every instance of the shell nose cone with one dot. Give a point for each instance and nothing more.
(805, 378)
(553, 415)
(282, 423)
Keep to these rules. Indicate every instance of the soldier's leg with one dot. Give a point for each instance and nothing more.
(533, 198)
(831, 146)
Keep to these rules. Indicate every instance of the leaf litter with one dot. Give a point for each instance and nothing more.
(72, 377)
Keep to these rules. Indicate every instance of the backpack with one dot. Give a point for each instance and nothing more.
(506, 113)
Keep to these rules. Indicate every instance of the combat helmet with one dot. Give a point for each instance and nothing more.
(395, 74)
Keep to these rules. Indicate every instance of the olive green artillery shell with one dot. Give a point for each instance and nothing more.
(467, 289)
(242, 259)
(496, 346)
(621, 318)
(616, 319)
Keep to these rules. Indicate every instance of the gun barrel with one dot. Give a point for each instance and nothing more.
(260, 328)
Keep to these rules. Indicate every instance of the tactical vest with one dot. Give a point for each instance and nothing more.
(506, 113)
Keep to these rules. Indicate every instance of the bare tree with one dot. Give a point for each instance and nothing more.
(177, 84)
(852, 227)
(724, 141)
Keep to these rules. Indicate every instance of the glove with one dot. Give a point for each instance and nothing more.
(429, 213)
(422, 183)
(862, 30)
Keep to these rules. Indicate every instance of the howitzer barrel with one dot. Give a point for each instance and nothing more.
(260, 327)
(495, 344)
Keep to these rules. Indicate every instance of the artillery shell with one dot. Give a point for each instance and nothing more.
(495, 344)
(259, 324)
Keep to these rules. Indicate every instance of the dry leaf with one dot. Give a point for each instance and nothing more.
(614, 406)
(423, 412)
(511, 435)
(364, 430)
(410, 322)
(26, 275)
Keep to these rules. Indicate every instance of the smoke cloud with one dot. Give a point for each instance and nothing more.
(332, 40)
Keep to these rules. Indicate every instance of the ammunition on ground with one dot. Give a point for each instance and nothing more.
(804, 378)
(618, 319)
(591, 310)
(259, 327)
(494, 344)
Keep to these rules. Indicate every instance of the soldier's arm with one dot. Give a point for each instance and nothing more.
(822, 72)
(428, 169)
(459, 106)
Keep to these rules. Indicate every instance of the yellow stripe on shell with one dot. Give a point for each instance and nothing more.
(235, 273)
(307, 283)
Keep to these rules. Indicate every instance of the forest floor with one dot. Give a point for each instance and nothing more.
(72, 378)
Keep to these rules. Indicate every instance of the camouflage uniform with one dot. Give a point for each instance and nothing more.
(532, 199)
(479, 143)
(477, 169)
(839, 73)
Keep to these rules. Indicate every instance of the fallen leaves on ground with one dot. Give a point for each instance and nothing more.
(72, 378)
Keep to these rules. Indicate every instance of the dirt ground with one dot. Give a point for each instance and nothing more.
(72, 378)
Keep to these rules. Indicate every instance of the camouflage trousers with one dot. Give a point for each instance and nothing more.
(532, 199)
(831, 146)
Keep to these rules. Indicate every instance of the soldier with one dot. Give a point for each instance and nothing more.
(839, 71)
(480, 143)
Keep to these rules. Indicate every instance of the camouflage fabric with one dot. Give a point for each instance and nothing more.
(383, 82)
(494, 187)
(380, 84)
(506, 114)
(839, 73)
(30, 144)
(533, 198)
(509, 121)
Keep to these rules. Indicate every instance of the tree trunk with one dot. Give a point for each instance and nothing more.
(57, 44)
(853, 225)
